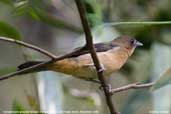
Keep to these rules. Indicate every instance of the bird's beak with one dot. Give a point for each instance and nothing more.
(138, 43)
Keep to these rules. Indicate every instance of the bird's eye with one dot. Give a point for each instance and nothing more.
(132, 41)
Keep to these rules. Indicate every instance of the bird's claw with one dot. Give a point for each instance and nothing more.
(108, 88)
(102, 68)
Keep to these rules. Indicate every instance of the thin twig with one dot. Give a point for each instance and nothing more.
(89, 44)
(40, 50)
(131, 86)
(138, 23)
(26, 70)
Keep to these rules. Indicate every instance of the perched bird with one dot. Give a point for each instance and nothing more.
(112, 55)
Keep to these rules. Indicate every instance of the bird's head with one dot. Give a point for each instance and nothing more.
(127, 42)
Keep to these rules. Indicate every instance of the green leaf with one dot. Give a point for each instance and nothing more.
(94, 12)
(94, 19)
(20, 9)
(16, 106)
(36, 10)
(7, 30)
(165, 79)
(7, 2)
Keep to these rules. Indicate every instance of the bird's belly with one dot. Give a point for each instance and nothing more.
(83, 67)
(71, 67)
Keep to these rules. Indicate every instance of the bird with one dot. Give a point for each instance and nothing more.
(112, 56)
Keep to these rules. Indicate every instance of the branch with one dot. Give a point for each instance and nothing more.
(40, 50)
(131, 86)
(89, 45)
(138, 23)
(26, 70)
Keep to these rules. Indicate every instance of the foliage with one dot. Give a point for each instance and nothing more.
(43, 13)
(17, 106)
(9, 31)
(38, 11)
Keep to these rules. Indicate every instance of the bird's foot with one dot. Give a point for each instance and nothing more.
(89, 65)
(102, 68)
(108, 87)
(92, 65)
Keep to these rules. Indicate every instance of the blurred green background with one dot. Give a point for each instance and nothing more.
(55, 25)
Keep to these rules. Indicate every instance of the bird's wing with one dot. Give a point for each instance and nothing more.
(99, 47)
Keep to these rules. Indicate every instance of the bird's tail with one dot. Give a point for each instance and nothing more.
(30, 64)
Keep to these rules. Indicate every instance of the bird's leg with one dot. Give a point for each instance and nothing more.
(102, 68)
(92, 65)
(108, 87)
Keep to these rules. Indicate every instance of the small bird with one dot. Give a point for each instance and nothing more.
(112, 55)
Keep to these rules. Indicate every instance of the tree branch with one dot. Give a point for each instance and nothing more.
(38, 65)
(131, 86)
(89, 45)
(143, 23)
(40, 50)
